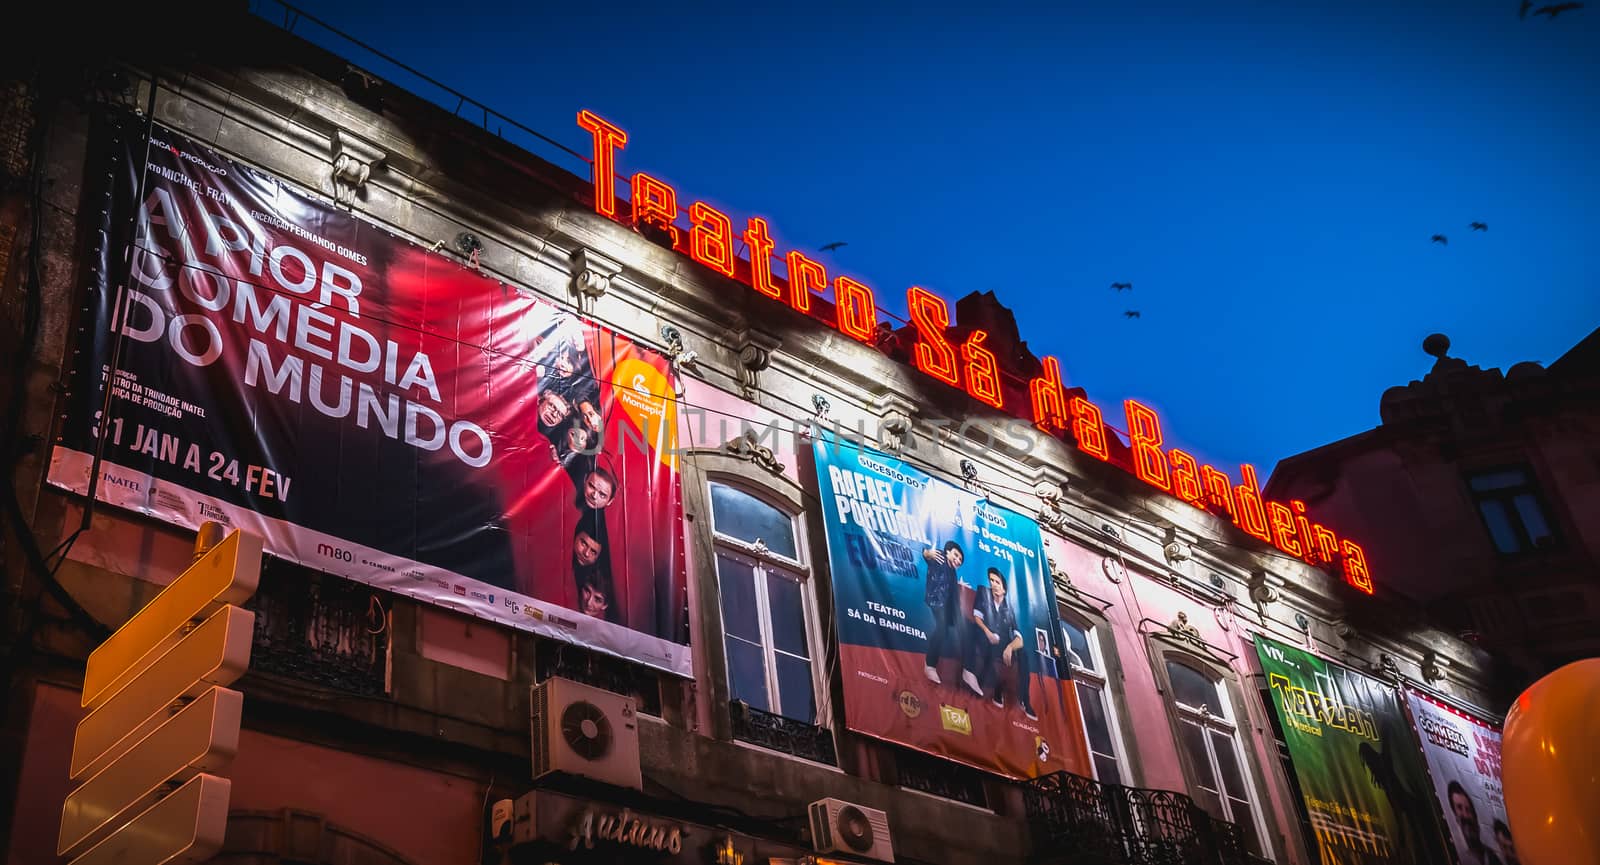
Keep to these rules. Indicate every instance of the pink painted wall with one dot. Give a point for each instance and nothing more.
(1146, 727)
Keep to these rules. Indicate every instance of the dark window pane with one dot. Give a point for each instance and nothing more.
(1095, 725)
(1228, 762)
(738, 514)
(1078, 642)
(795, 689)
(739, 616)
(1193, 740)
(1106, 770)
(747, 673)
(1498, 519)
(788, 615)
(1499, 480)
(1247, 825)
(1532, 517)
(1193, 688)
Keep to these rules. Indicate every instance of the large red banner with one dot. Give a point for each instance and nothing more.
(376, 410)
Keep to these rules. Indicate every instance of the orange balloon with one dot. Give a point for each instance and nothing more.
(1550, 766)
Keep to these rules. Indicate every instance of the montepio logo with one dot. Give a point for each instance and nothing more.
(909, 703)
(955, 719)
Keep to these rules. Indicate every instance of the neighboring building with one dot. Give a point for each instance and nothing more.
(1479, 496)
(348, 300)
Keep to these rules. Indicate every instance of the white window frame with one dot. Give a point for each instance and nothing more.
(1091, 633)
(764, 562)
(1224, 723)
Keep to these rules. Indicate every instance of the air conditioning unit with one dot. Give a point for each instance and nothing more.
(838, 826)
(582, 730)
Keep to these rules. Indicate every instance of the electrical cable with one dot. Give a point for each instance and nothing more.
(119, 337)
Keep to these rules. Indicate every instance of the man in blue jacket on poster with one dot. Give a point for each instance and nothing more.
(943, 597)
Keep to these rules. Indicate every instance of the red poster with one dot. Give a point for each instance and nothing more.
(377, 410)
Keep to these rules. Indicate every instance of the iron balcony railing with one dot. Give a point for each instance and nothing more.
(1083, 821)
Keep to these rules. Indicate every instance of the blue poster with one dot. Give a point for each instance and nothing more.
(945, 614)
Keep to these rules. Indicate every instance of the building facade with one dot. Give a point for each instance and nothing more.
(800, 516)
(1480, 491)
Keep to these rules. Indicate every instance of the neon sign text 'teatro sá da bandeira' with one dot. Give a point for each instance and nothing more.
(710, 240)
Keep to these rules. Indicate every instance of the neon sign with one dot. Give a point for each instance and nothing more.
(971, 366)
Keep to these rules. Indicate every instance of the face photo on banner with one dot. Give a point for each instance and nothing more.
(1360, 775)
(945, 617)
(1463, 756)
(376, 410)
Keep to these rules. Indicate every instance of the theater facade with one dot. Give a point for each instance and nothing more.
(600, 526)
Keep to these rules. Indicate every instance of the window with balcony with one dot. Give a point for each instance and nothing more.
(1512, 510)
(1208, 739)
(1082, 639)
(767, 605)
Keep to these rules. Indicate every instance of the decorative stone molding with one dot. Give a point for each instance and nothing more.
(755, 355)
(1058, 574)
(591, 277)
(1184, 630)
(1264, 587)
(1051, 495)
(895, 415)
(1435, 667)
(748, 447)
(354, 161)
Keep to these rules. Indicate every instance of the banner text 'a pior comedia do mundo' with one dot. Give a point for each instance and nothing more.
(374, 409)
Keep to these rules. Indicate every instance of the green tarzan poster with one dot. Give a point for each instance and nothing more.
(1360, 773)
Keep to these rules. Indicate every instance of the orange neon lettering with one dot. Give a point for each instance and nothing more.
(1327, 544)
(607, 138)
(1252, 515)
(1144, 432)
(1283, 534)
(1185, 477)
(983, 370)
(805, 277)
(856, 309)
(931, 317)
(1049, 398)
(1303, 528)
(655, 203)
(1219, 490)
(1355, 567)
(759, 239)
(1088, 428)
(711, 237)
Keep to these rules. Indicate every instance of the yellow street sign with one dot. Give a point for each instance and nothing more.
(214, 653)
(203, 737)
(186, 826)
(227, 574)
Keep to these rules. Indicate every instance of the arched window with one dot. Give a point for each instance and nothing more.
(1081, 637)
(1208, 738)
(767, 608)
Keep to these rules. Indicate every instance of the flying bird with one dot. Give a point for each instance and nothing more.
(1122, 286)
(829, 247)
(1557, 9)
(1439, 238)
(1132, 313)
(1480, 226)
(1526, 5)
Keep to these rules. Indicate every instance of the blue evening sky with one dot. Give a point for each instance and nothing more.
(1267, 175)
